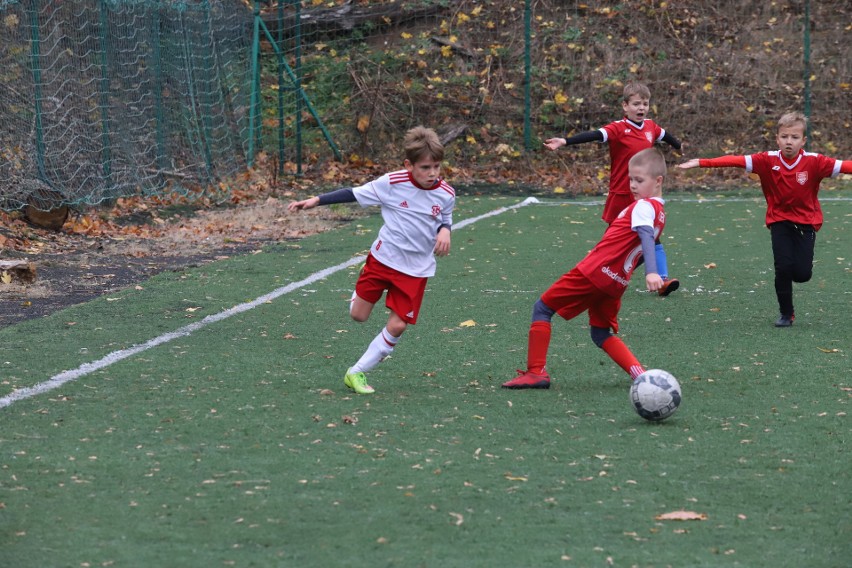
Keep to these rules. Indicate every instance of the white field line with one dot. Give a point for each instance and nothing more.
(60, 379)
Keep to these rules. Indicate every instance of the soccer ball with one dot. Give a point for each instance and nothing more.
(655, 394)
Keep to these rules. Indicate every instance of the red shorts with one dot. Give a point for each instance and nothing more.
(405, 293)
(573, 294)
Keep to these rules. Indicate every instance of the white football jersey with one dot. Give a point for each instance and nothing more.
(412, 216)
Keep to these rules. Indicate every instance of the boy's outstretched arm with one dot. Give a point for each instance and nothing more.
(670, 139)
(582, 138)
(720, 162)
(345, 195)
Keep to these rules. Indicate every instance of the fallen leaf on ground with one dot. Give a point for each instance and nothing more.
(682, 516)
(511, 477)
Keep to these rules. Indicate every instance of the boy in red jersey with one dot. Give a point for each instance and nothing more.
(790, 179)
(625, 137)
(417, 210)
(599, 280)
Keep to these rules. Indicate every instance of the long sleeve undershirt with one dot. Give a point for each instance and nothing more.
(345, 195)
(597, 136)
(646, 237)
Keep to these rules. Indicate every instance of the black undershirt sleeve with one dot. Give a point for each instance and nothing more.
(345, 195)
(583, 137)
(671, 141)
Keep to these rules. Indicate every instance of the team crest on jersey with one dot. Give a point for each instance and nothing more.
(802, 177)
(650, 137)
(436, 210)
(404, 204)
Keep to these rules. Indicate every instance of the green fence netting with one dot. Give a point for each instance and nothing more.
(106, 98)
(103, 99)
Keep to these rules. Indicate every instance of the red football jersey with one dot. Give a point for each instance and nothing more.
(610, 264)
(791, 189)
(625, 139)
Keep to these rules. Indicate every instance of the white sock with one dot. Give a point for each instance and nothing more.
(381, 346)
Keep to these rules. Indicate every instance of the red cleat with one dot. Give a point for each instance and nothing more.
(669, 286)
(527, 380)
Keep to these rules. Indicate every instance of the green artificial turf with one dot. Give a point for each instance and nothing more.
(238, 444)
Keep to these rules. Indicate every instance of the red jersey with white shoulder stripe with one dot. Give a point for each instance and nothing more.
(625, 139)
(610, 264)
(790, 189)
(412, 216)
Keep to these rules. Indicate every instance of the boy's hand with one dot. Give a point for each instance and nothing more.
(653, 281)
(442, 242)
(693, 163)
(309, 203)
(554, 143)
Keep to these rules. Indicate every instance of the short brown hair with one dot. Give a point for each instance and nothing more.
(652, 159)
(636, 88)
(793, 118)
(422, 143)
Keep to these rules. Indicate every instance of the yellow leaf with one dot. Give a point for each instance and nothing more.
(6, 278)
(708, 87)
(559, 189)
(633, 40)
(446, 50)
(829, 350)
(405, 35)
(560, 98)
(467, 323)
(363, 123)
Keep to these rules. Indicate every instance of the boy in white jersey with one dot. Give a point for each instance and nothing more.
(598, 281)
(417, 209)
(790, 180)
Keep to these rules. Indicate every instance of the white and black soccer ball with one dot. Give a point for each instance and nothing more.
(655, 395)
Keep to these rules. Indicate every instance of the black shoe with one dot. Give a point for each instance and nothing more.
(784, 321)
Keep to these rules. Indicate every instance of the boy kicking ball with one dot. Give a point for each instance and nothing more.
(598, 281)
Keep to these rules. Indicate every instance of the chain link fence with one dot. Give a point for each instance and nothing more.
(105, 98)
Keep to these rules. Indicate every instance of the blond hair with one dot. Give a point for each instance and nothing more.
(651, 159)
(792, 119)
(636, 88)
(422, 143)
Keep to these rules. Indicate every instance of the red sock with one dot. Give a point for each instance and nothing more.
(618, 352)
(538, 343)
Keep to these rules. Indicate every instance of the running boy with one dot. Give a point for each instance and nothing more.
(599, 280)
(625, 137)
(417, 209)
(789, 178)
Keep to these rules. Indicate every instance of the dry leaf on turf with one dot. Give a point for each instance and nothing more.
(467, 323)
(682, 516)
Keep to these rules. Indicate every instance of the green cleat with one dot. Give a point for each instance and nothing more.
(358, 383)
